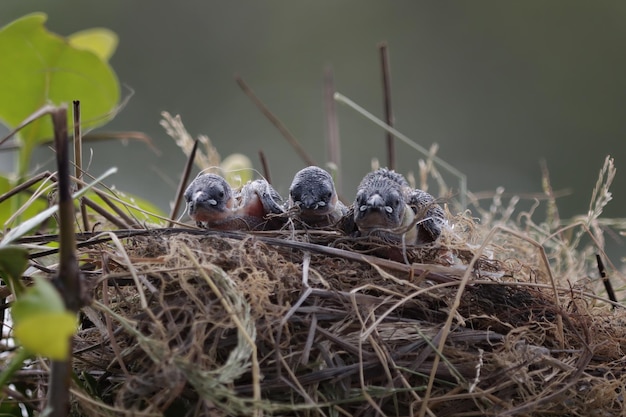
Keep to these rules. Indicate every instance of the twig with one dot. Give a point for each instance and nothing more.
(605, 280)
(124, 136)
(124, 218)
(68, 275)
(389, 119)
(68, 267)
(183, 181)
(31, 118)
(26, 184)
(332, 126)
(274, 120)
(78, 160)
(114, 220)
(266, 167)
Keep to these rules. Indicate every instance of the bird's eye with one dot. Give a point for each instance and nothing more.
(220, 194)
(328, 196)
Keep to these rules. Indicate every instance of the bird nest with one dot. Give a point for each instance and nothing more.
(311, 323)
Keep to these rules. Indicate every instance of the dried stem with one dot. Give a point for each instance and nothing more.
(78, 160)
(606, 281)
(113, 219)
(68, 274)
(389, 119)
(332, 126)
(183, 181)
(266, 167)
(23, 186)
(275, 121)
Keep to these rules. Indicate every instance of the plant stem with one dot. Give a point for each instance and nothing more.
(68, 278)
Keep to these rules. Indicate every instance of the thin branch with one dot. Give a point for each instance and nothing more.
(605, 280)
(113, 219)
(183, 181)
(78, 160)
(23, 186)
(274, 120)
(332, 126)
(34, 116)
(68, 275)
(389, 119)
(266, 167)
(68, 268)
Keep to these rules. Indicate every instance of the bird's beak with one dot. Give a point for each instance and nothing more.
(375, 201)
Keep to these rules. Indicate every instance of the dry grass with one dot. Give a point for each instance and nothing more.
(239, 324)
(501, 317)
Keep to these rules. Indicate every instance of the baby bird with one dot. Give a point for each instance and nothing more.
(431, 215)
(209, 200)
(387, 206)
(213, 204)
(313, 198)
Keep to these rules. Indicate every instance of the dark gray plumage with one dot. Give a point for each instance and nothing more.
(313, 198)
(213, 204)
(209, 199)
(387, 206)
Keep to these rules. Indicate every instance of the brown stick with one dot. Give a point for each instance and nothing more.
(605, 280)
(23, 186)
(274, 120)
(124, 217)
(48, 108)
(266, 167)
(183, 181)
(78, 160)
(332, 125)
(114, 220)
(389, 119)
(68, 277)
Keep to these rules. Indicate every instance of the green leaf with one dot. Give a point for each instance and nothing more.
(47, 334)
(13, 262)
(101, 42)
(41, 298)
(42, 324)
(38, 67)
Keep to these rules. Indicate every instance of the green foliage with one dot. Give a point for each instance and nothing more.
(101, 42)
(39, 68)
(42, 324)
(13, 262)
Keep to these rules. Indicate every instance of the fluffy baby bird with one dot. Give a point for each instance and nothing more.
(313, 198)
(387, 206)
(213, 204)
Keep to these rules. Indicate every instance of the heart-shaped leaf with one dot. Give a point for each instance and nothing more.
(101, 42)
(38, 67)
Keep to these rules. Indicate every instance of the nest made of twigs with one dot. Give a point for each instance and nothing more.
(188, 322)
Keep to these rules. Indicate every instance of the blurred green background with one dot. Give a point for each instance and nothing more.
(499, 86)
